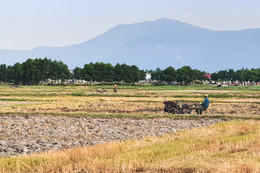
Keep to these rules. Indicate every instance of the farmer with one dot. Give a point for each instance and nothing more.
(204, 105)
(115, 91)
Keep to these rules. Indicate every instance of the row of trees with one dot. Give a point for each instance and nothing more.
(239, 75)
(32, 71)
(106, 72)
(185, 74)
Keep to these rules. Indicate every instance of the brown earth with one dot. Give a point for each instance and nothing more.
(20, 135)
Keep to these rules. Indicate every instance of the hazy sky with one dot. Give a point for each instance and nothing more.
(26, 24)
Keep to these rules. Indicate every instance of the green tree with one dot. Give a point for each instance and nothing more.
(199, 75)
(119, 73)
(108, 73)
(15, 73)
(133, 74)
(185, 74)
(169, 75)
(3, 73)
(253, 75)
(258, 74)
(78, 73)
(232, 75)
(142, 75)
(157, 74)
(88, 72)
(59, 70)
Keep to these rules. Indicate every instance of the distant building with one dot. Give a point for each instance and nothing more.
(148, 76)
(208, 75)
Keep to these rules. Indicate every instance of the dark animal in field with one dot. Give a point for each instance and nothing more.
(101, 90)
(14, 86)
(219, 86)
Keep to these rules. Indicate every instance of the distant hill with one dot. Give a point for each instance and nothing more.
(159, 43)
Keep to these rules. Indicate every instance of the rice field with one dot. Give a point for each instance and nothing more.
(233, 146)
(130, 101)
(225, 147)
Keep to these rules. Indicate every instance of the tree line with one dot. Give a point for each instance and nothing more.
(187, 74)
(33, 71)
(105, 72)
(184, 75)
(252, 75)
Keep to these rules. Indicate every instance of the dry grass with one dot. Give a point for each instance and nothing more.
(125, 105)
(133, 100)
(226, 147)
(229, 147)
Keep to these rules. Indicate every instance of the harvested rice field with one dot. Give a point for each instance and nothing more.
(129, 101)
(77, 129)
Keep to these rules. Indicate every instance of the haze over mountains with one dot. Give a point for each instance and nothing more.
(153, 44)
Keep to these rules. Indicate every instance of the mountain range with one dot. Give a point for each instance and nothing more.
(160, 43)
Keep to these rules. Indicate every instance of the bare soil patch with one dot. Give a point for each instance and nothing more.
(20, 135)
